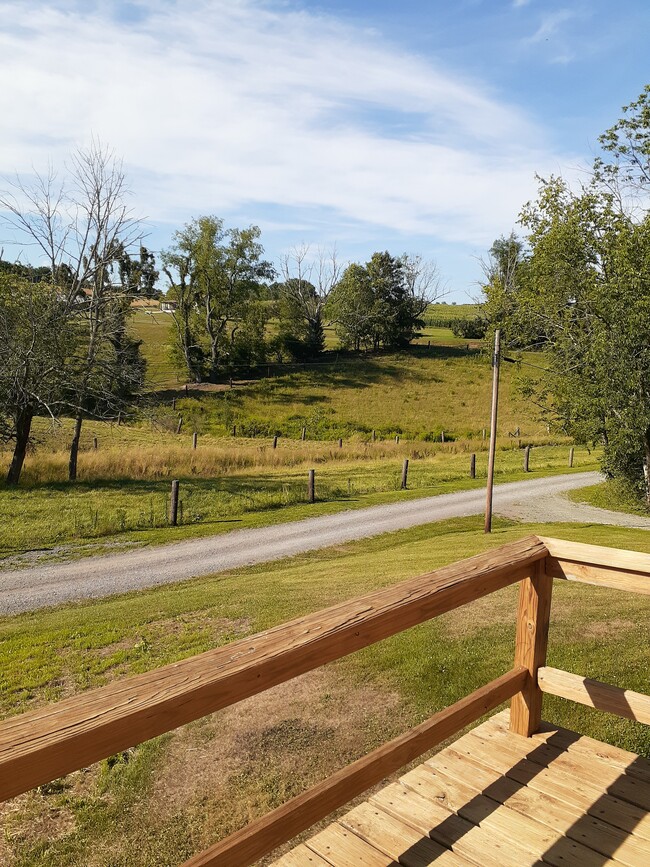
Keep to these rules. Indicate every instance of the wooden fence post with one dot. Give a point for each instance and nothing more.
(374, 436)
(526, 458)
(186, 391)
(95, 443)
(397, 439)
(311, 487)
(180, 424)
(571, 456)
(173, 506)
(275, 442)
(405, 472)
(483, 434)
(303, 435)
(340, 443)
(442, 436)
(472, 467)
(195, 437)
(234, 430)
(530, 649)
(119, 418)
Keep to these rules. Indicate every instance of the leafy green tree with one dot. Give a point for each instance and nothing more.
(382, 303)
(215, 275)
(583, 293)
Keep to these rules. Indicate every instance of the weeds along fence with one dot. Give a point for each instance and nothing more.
(127, 490)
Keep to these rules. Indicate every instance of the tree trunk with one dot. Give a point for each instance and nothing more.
(646, 465)
(23, 428)
(74, 449)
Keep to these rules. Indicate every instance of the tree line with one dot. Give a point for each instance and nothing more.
(66, 349)
(226, 295)
(575, 284)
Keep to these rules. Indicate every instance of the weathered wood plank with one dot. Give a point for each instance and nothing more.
(469, 802)
(568, 819)
(598, 576)
(433, 819)
(397, 839)
(340, 847)
(600, 566)
(244, 847)
(44, 744)
(301, 856)
(530, 647)
(593, 693)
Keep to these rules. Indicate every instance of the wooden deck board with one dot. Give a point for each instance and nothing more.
(494, 798)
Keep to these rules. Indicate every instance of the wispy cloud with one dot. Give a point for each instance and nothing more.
(235, 106)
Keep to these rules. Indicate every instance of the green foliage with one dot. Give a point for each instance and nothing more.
(582, 291)
(381, 303)
(470, 329)
(215, 275)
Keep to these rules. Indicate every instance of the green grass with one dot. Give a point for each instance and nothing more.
(155, 330)
(48, 654)
(612, 494)
(104, 511)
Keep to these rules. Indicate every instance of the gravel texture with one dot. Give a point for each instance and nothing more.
(537, 500)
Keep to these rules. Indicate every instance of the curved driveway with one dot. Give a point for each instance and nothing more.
(93, 577)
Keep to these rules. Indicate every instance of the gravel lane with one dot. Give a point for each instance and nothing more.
(94, 577)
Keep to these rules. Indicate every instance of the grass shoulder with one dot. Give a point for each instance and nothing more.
(611, 494)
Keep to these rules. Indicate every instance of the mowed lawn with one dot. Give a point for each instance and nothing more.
(158, 803)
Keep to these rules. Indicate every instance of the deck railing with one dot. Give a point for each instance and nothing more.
(44, 744)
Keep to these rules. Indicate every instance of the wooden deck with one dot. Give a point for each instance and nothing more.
(497, 799)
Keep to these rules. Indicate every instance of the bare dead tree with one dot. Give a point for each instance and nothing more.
(81, 225)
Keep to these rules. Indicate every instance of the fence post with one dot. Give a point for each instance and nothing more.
(275, 442)
(442, 436)
(340, 443)
(303, 435)
(234, 430)
(530, 648)
(405, 472)
(195, 437)
(484, 434)
(173, 506)
(180, 424)
(374, 436)
(472, 467)
(571, 456)
(95, 443)
(311, 487)
(397, 439)
(526, 458)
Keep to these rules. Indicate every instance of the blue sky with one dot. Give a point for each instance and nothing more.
(410, 126)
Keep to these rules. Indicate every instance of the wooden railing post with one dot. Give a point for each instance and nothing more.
(530, 649)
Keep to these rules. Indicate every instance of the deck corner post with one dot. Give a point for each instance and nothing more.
(533, 617)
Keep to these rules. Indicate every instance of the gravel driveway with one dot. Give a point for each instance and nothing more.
(535, 500)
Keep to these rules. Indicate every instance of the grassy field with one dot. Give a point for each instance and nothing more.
(176, 794)
(612, 494)
(122, 496)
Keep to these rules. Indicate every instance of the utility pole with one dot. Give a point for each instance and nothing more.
(493, 429)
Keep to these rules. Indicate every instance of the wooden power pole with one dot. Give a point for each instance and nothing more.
(493, 429)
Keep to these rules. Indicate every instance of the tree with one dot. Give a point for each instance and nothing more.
(38, 342)
(215, 275)
(381, 303)
(583, 294)
(83, 227)
(302, 297)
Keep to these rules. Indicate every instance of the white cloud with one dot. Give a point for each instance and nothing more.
(222, 106)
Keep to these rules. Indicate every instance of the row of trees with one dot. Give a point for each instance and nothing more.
(226, 293)
(65, 348)
(65, 344)
(577, 285)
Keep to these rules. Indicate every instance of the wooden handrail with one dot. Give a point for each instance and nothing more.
(47, 743)
(603, 567)
(246, 846)
(593, 693)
